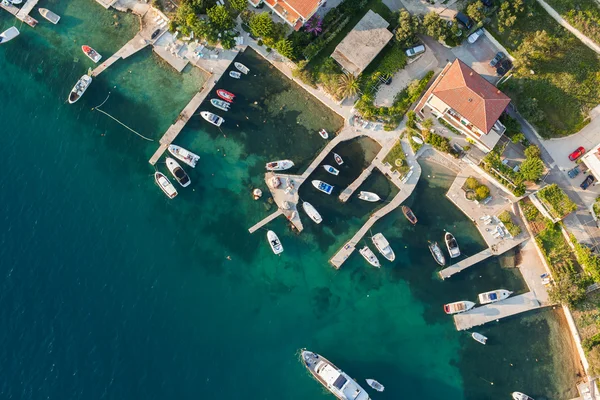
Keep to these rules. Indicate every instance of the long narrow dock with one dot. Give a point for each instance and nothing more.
(346, 193)
(265, 221)
(23, 13)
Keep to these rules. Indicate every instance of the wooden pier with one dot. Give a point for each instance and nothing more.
(23, 13)
(346, 193)
(133, 46)
(265, 221)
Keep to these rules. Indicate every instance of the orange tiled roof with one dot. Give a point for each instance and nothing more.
(300, 8)
(280, 6)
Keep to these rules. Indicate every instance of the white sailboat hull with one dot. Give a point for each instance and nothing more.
(184, 155)
(383, 246)
(368, 255)
(494, 296)
(280, 165)
(368, 196)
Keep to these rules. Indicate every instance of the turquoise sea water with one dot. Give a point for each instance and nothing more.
(111, 291)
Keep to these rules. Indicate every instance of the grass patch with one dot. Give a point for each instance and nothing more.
(507, 220)
(582, 14)
(558, 204)
(557, 251)
(397, 159)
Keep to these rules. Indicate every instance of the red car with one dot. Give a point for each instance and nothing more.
(576, 154)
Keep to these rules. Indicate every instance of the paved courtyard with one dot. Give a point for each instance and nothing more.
(478, 56)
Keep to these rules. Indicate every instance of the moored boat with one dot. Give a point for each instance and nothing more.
(494, 296)
(212, 118)
(340, 384)
(312, 212)
(437, 253)
(331, 170)
(338, 159)
(49, 15)
(91, 53)
(322, 186)
(368, 255)
(184, 155)
(280, 165)
(9, 34)
(452, 245)
(324, 134)
(458, 307)
(165, 185)
(375, 385)
(79, 89)
(220, 104)
(520, 396)
(369, 196)
(235, 74)
(479, 338)
(410, 216)
(225, 95)
(274, 242)
(178, 173)
(383, 246)
(241, 67)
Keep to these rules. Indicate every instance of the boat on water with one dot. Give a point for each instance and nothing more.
(212, 118)
(437, 253)
(241, 67)
(220, 104)
(452, 245)
(479, 338)
(235, 74)
(225, 95)
(312, 212)
(369, 196)
(184, 155)
(331, 170)
(383, 246)
(79, 89)
(410, 216)
(332, 378)
(375, 385)
(417, 139)
(274, 242)
(178, 173)
(368, 255)
(280, 165)
(322, 186)
(458, 307)
(49, 15)
(338, 159)
(9, 34)
(91, 53)
(494, 296)
(520, 396)
(165, 185)
(324, 134)
(15, 2)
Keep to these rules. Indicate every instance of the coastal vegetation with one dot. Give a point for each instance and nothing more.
(397, 159)
(558, 204)
(506, 218)
(479, 191)
(582, 14)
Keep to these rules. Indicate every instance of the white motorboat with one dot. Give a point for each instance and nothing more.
(322, 186)
(494, 296)
(274, 242)
(437, 253)
(340, 384)
(9, 34)
(383, 246)
(220, 104)
(331, 170)
(375, 385)
(280, 165)
(417, 139)
(520, 396)
(369, 196)
(165, 185)
(458, 307)
(479, 338)
(178, 172)
(324, 134)
(16, 2)
(452, 245)
(241, 67)
(338, 159)
(49, 15)
(184, 155)
(212, 118)
(368, 255)
(79, 89)
(235, 74)
(312, 212)
(91, 53)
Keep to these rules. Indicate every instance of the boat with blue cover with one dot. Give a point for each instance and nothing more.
(322, 186)
(331, 170)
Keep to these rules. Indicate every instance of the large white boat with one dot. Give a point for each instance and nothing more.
(184, 155)
(331, 170)
(241, 67)
(49, 15)
(165, 185)
(494, 296)
(178, 172)
(332, 378)
(452, 245)
(312, 212)
(369, 196)
(368, 255)
(520, 396)
(458, 307)
(383, 246)
(212, 118)
(280, 165)
(274, 242)
(79, 89)
(9, 34)
(322, 186)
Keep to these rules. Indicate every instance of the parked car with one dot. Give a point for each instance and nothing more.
(413, 51)
(475, 35)
(587, 182)
(573, 172)
(503, 67)
(464, 20)
(499, 57)
(577, 153)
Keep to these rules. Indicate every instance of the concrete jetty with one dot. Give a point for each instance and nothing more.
(133, 46)
(26, 9)
(346, 193)
(265, 221)
(23, 13)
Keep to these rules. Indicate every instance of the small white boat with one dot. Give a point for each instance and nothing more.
(369, 196)
(479, 338)
(220, 104)
(9, 34)
(324, 134)
(520, 396)
(91, 53)
(494, 296)
(458, 307)
(437, 253)
(15, 2)
(178, 172)
(235, 74)
(280, 165)
(49, 15)
(322, 186)
(375, 385)
(274, 242)
(338, 159)
(79, 89)
(417, 139)
(368, 255)
(452, 245)
(312, 212)
(184, 155)
(165, 185)
(241, 67)
(331, 170)
(383, 246)
(212, 118)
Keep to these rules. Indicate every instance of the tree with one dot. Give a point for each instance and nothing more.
(475, 11)
(238, 5)
(434, 26)
(532, 169)
(427, 124)
(535, 48)
(533, 152)
(348, 86)
(530, 109)
(285, 48)
(567, 290)
(471, 183)
(408, 28)
(482, 192)
(517, 138)
(220, 18)
(261, 25)
(506, 16)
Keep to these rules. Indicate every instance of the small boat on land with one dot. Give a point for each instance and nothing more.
(331, 170)
(165, 185)
(241, 67)
(280, 165)
(452, 245)
(178, 172)
(184, 155)
(437, 253)
(322, 186)
(520, 396)
(274, 242)
(91, 53)
(458, 307)
(312, 212)
(368, 255)
(410, 216)
(369, 196)
(212, 118)
(417, 139)
(220, 104)
(49, 15)
(340, 384)
(225, 95)
(375, 385)
(338, 159)
(79, 89)
(479, 338)
(324, 134)
(155, 34)
(9, 34)
(383, 246)
(494, 296)
(235, 74)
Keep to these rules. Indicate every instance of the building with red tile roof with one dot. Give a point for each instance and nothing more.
(294, 12)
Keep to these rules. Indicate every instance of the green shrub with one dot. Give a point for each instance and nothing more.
(482, 192)
(472, 183)
(530, 212)
(558, 203)
(506, 219)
